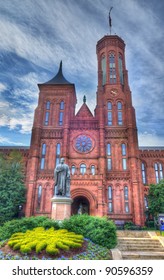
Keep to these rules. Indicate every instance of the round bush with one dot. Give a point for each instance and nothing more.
(100, 230)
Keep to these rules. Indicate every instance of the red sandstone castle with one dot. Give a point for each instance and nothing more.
(110, 173)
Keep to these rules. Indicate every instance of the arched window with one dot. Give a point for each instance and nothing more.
(62, 105)
(126, 199)
(146, 202)
(110, 199)
(143, 170)
(119, 113)
(43, 154)
(48, 105)
(61, 113)
(47, 113)
(39, 196)
(120, 65)
(82, 168)
(158, 171)
(93, 170)
(124, 161)
(108, 149)
(103, 69)
(57, 154)
(109, 113)
(73, 169)
(109, 159)
(112, 69)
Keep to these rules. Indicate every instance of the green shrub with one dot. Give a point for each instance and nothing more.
(100, 230)
(50, 239)
(24, 224)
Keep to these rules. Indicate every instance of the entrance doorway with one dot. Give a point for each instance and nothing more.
(80, 205)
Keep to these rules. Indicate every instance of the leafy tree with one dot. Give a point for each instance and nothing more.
(156, 198)
(12, 187)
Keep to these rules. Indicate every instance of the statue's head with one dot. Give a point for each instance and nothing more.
(62, 160)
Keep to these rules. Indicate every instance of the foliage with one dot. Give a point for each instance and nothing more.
(51, 240)
(12, 187)
(24, 224)
(100, 230)
(156, 198)
(132, 226)
(92, 252)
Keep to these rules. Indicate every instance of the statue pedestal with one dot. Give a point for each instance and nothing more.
(61, 207)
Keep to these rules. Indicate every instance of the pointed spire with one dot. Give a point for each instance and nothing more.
(84, 99)
(59, 79)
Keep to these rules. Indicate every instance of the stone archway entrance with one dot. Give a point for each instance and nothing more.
(80, 205)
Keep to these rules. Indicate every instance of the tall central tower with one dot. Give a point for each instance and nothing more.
(118, 133)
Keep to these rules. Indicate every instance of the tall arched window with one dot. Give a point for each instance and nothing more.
(62, 105)
(110, 199)
(109, 159)
(93, 170)
(39, 196)
(109, 113)
(103, 69)
(47, 113)
(61, 113)
(120, 65)
(83, 169)
(143, 170)
(57, 154)
(158, 171)
(119, 113)
(124, 162)
(43, 155)
(112, 69)
(73, 169)
(126, 199)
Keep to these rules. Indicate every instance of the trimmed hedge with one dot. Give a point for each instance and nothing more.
(99, 230)
(24, 224)
(51, 240)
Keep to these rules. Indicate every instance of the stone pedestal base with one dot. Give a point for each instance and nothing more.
(61, 207)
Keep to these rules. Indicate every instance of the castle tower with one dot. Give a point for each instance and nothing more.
(118, 133)
(49, 141)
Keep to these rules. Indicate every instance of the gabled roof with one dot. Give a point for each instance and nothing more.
(84, 111)
(59, 79)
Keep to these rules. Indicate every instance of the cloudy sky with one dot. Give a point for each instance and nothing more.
(36, 34)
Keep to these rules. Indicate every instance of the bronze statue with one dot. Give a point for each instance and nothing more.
(62, 179)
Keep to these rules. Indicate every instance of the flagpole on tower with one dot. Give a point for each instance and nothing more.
(110, 20)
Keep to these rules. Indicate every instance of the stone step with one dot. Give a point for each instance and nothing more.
(131, 233)
(142, 255)
(135, 248)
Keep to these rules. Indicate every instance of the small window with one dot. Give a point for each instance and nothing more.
(93, 170)
(73, 169)
(108, 149)
(109, 106)
(103, 68)
(146, 202)
(119, 113)
(158, 172)
(61, 118)
(62, 105)
(48, 105)
(143, 169)
(43, 149)
(43, 154)
(58, 153)
(110, 199)
(119, 106)
(39, 197)
(109, 164)
(42, 163)
(126, 199)
(46, 118)
(83, 169)
(124, 165)
(109, 118)
(123, 147)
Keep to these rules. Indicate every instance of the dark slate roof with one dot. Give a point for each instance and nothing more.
(59, 79)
